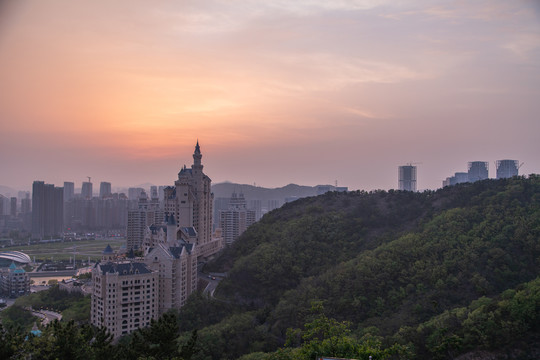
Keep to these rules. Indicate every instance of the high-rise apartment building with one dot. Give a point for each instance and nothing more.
(69, 190)
(129, 293)
(108, 213)
(47, 210)
(105, 189)
(256, 205)
(236, 219)
(407, 178)
(148, 213)
(124, 296)
(86, 191)
(134, 193)
(190, 201)
(273, 204)
(26, 205)
(458, 178)
(477, 170)
(4, 205)
(13, 207)
(171, 251)
(154, 193)
(507, 168)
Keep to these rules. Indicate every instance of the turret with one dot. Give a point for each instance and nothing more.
(197, 156)
(108, 254)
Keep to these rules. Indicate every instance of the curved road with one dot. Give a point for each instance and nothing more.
(47, 316)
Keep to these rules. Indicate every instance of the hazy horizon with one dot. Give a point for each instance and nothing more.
(305, 92)
(145, 186)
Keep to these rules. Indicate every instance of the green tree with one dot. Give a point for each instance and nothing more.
(324, 336)
(11, 340)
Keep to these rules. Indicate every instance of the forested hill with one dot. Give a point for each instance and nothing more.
(387, 261)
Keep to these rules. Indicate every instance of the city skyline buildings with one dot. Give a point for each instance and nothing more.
(477, 170)
(119, 92)
(47, 210)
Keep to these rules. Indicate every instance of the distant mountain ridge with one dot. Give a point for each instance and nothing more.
(224, 190)
(8, 191)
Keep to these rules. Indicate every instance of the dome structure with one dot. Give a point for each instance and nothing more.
(17, 257)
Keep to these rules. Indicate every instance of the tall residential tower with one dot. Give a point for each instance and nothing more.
(407, 177)
(477, 170)
(507, 168)
(47, 210)
(236, 219)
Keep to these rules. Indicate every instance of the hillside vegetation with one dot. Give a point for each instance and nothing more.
(387, 262)
(447, 274)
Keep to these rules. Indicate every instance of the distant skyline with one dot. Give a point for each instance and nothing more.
(306, 92)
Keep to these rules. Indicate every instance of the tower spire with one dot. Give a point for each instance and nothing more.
(197, 156)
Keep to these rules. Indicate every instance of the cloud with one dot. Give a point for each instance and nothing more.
(138, 80)
(524, 46)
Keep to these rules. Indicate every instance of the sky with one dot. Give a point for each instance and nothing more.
(276, 92)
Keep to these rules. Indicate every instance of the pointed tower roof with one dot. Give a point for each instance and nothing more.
(108, 250)
(197, 148)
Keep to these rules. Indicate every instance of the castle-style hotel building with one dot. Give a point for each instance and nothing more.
(129, 293)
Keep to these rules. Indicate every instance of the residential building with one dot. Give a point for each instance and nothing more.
(190, 200)
(134, 193)
(477, 170)
(69, 190)
(86, 191)
(97, 214)
(236, 219)
(105, 190)
(128, 293)
(170, 253)
(407, 178)
(148, 213)
(123, 296)
(256, 205)
(14, 282)
(13, 207)
(47, 210)
(507, 168)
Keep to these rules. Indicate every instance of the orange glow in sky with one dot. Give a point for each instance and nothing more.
(277, 92)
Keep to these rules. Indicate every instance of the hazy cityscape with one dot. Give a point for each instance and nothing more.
(50, 211)
(200, 180)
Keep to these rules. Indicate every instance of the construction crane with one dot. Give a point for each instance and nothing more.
(89, 178)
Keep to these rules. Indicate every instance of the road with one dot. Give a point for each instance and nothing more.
(213, 281)
(47, 316)
(212, 278)
(211, 287)
(8, 302)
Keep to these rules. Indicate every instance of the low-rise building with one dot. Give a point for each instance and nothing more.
(14, 282)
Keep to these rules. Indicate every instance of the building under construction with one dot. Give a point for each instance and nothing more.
(477, 170)
(407, 177)
(507, 168)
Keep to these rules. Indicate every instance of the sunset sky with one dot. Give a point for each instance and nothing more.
(277, 92)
